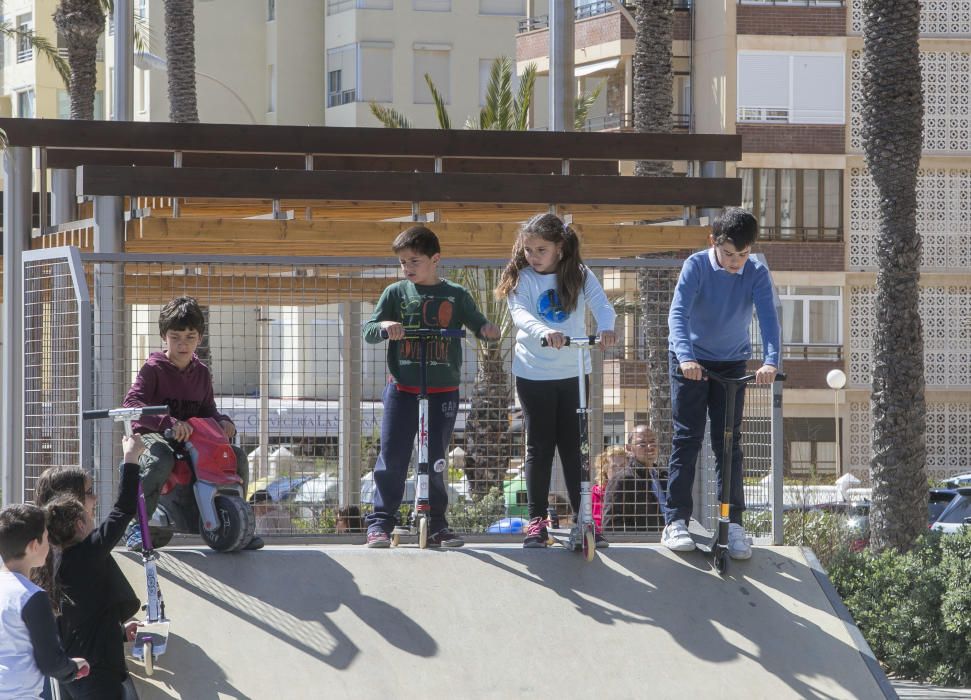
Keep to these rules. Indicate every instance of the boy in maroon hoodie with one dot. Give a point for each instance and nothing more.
(176, 378)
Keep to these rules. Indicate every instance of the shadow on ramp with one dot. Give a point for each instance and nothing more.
(497, 621)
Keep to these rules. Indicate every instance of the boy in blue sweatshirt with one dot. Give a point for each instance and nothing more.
(709, 324)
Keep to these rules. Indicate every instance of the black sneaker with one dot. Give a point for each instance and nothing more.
(536, 535)
(254, 544)
(601, 541)
(445, 538)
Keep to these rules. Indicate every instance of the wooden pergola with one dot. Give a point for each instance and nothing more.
(332, 191)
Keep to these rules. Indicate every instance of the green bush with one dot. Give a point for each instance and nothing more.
(478, 515)
(914, 609)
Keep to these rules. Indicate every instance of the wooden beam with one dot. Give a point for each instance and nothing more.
(440, 143)
(539, 190)
(373, 239)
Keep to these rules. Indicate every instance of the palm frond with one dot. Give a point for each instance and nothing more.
(443, 121)
(524, 98)
(389, 117)
(44, 48)
(581, 107)
(499, 100)
(474, 123)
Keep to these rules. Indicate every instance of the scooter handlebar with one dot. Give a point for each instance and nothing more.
(578, 340)
(722, 379)
(125, 413)
(411, 333)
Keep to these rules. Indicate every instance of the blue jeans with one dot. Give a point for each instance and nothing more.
(399, 425)
(690, 402)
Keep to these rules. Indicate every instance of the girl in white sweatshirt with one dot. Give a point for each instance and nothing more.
(548, 289)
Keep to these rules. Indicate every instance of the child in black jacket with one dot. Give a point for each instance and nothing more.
(95, 598)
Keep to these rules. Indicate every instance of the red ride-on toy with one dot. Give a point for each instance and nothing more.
(204, 494)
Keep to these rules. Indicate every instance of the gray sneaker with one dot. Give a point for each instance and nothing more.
(739, 544)
(677, 538)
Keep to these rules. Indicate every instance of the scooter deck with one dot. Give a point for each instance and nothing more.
(155, 632)
(561, 536)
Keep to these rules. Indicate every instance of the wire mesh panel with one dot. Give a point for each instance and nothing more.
(56, 313)
(289, 366)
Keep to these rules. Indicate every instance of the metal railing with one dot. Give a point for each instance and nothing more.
(795, 3)
(812, 351)
(290, 367)
(336, 99)
(831, 234)
(612, 122)
(587, 10)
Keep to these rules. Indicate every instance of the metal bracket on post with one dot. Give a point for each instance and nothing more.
(308, 164)
(711, 168)
(176, 163)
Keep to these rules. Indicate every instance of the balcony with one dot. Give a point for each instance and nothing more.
(625, 122)
(794, 3)
(812, 351)
(336, 99)
(802, 234)
(589, 9)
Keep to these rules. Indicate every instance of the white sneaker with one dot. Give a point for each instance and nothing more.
(676, 537)
(739, 545)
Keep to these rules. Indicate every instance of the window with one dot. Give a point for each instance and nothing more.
(809, 446)
(270, 10)
(25, 24)
(141, 9)
(376, 79)
(790, 88)
(514, 8)
(337, 6)
(342, 75)
(811, 322)
(432, 5)
(795, 205)
(25, 103)
(271, 88)
(434, 60)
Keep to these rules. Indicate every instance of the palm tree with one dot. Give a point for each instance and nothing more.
(893, 110)
(180, 52)
(653, 104)
(81, 23)
(42, 45)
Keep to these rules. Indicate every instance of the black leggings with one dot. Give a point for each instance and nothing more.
(551, 422)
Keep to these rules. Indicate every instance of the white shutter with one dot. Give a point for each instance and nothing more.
(436, 64)
(763, 80)
(817, 94)
(516, 8)
(377, 77)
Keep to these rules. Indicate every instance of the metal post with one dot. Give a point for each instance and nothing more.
(16, 239)
(836, 418)
(123, 86)
(349, 477)
(108, 325)
(562, 80)
(711, 168)
(263, 324)
(63, 196)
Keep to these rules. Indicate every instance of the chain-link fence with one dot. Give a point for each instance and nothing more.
(289, 366)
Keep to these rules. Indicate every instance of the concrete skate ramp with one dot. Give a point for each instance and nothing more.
(497, 621)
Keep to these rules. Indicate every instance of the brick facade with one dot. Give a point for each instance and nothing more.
(792, 256)
(792, 138)
(791, 21)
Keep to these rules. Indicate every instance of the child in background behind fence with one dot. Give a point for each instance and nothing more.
(30, 647)
(610, 461)
(421, 300)
(548, 289)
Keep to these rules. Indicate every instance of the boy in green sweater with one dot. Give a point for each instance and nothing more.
(421, 300)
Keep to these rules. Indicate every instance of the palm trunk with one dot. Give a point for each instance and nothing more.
(81, 23)
(180, 51)
(892, 135)
(653, 103)
(488, 442)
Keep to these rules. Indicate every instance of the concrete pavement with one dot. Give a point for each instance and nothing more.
(497, 621)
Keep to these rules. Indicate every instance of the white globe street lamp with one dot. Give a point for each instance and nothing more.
(836, 379)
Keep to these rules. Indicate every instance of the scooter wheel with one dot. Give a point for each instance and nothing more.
(423, 533)
(589, 545)
(721, 562)
(395, 539)
(147, 658)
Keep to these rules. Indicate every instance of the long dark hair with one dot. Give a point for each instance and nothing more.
(56, 481)
(569, 270)
(63, 513)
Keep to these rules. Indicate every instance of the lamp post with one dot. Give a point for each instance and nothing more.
(837, 380)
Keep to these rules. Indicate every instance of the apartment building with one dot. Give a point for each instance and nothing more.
(786, 77)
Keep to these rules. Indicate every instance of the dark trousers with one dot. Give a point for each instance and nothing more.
(100, 685)
(399, 425)
(158, 460)
(691, 401)
(551, 422)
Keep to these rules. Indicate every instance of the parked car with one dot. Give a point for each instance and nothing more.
(958, 481)
(937, 501)
(957, 514)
